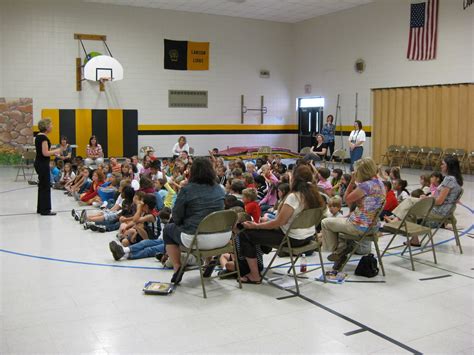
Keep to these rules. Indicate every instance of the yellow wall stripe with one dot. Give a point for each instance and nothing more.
(115, 135)
(53, 114)
(83, 130)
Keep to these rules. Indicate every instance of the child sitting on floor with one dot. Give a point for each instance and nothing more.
(391, 201)
(400, 188)
(323, 183)
(335, 207)
(88, 197)
(145, 224)
(436, 179)
(67, 175)
(249, 198)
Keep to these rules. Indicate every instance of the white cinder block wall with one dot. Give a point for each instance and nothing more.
(328, 46)
(37, 55)
(38, 36)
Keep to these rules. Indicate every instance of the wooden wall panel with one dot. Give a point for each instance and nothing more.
(436, 116)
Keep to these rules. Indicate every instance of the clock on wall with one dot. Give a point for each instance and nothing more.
(359, 66)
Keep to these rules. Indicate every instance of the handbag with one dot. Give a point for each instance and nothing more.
(367, 266)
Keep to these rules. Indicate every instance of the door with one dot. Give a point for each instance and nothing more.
(310, 122)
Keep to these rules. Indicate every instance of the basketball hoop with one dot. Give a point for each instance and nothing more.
(102, 80)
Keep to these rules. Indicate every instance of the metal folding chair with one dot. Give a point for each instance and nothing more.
(337, 159)
(388, 155)
(26, 166)
(306, 219)
(371, 234)
(413, 224)
(216, 222)
(448, 218)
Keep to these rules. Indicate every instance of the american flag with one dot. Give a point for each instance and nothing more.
(423, 31)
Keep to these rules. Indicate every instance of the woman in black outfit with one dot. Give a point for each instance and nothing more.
(43, 152)
(319, 148)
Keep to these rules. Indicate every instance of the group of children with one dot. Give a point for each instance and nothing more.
(136, 198)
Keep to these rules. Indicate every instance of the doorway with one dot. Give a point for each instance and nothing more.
(310, 120)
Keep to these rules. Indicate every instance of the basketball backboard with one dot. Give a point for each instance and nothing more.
(103, 67)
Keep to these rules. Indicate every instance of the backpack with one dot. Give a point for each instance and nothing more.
(367, 266)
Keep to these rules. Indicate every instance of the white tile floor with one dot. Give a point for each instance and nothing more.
(61, 306)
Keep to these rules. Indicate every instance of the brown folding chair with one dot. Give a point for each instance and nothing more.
(26, 167)
(216, 222)
(413, 153)
(448, 218)
(413, 224)
(371, 234)
(338, 159)
(388, 155)
(306, 219)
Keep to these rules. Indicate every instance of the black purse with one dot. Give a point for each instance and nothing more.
(367, 266)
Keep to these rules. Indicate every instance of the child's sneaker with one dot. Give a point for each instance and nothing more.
(104, 205)
(96, 204)
(101, 228)
(83, 217)
(88, 225)
(117, 250)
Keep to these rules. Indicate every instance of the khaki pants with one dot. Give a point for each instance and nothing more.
(331, 227)
(402, 209)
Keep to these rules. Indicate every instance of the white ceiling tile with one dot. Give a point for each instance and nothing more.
(290, 11)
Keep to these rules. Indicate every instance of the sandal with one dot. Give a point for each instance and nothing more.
(248, 281)
(417, 245)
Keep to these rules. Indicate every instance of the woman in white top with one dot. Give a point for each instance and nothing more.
(181, 146)
(303, 195)
(356, 142)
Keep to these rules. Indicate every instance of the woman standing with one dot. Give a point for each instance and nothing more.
(319, 148)
(43, 154)
(303, 195)
(182, 145)
(94, 152)
(356, 142)
(328, 132)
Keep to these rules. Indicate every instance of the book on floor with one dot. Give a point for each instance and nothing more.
(158, 288)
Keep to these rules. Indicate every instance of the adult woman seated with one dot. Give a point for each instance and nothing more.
(319, 148)
(66, 151)
(94, 152)
(368, 193)
(449, 192)
(200, 197)
(182, 145)
(303, 195)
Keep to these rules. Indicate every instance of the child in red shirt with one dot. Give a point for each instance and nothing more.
(390, 200)
(249, 198)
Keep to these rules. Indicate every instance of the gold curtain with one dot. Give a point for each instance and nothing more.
(434, 116)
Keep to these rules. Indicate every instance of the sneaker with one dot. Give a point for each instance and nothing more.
(96, 204)
(93, 226)
(117, 250)
(334, 257)
(73, 212)
(338, 264)
(101, 228)
(210, 268)
(87, 225)
(104, 205)
(83, 217)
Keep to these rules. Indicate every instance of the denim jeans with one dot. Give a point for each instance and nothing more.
(146, 248)
(356, 154)
(110, 226)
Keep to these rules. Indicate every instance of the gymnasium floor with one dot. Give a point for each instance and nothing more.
(62, 292)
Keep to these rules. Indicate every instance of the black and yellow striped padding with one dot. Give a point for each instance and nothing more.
(116, 130)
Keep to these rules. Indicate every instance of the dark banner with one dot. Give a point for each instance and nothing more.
(185, 55)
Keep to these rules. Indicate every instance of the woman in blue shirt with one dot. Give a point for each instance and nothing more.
(328, 132)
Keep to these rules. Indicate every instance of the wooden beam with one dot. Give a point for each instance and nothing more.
(78, 74)
(89, 37)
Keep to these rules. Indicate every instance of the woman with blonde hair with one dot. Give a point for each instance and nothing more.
(367, 192)
(43, 154)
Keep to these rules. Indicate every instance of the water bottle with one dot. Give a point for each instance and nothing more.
(303, 264)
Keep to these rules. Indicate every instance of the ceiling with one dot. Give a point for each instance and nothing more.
(290, 11)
